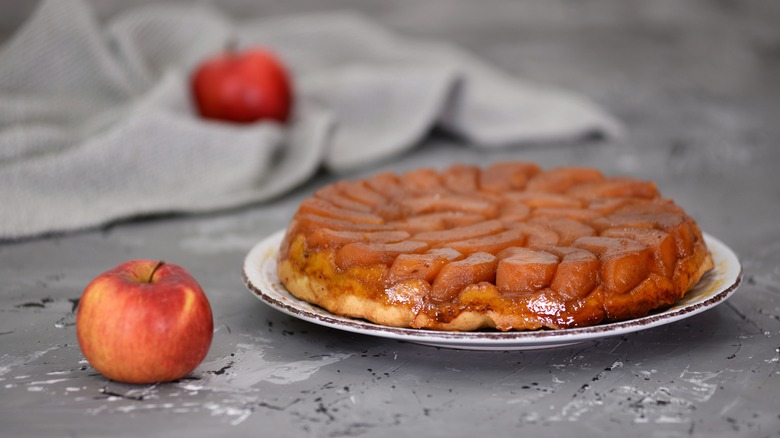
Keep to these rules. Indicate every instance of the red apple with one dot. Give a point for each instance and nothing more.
(144, 321)
(242, 87)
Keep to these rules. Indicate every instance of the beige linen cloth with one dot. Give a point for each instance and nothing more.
(96, 122)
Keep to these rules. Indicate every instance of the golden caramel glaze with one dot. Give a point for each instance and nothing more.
(509, 247)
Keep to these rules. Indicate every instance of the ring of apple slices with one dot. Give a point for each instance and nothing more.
(509, 247)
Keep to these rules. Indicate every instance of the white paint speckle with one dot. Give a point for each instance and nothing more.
(700, 385)
(575, 409)
(250, 368)
(729, 407)
(241, 414)
(96, 411)
(531, 417)
(48, 382)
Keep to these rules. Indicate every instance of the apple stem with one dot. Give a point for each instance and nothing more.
(158, 266)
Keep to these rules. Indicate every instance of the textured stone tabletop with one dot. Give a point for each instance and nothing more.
(697, 87)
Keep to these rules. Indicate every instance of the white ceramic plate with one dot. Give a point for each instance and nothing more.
(715, 287)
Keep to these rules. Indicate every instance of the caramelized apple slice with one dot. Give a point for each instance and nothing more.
(367, 254)
(513, 212)
(389, 211)
(314, 221)
(607, 206)
(422, 181)
(461, 178)
(388, 184)
(490, 244)
(624, 262)
(616, 188)
(439, 202)
(325, 237)
(467, 232)
(577, 273)
(525, 271)
(660, 243)
(568, 230)
(542, 200)
(578, 214)
(333, 195)
(536, 234)
(421, 223)
(501, 177)
(562, 179)
(678, 226)
(324, 208)
(454, 219)
(650, 207)
(454, 276)
(423, 266)
(361, 192)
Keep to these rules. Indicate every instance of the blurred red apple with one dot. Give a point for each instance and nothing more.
(242, 87)
(144, 321)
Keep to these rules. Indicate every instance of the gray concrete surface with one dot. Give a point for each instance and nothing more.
(697, 86)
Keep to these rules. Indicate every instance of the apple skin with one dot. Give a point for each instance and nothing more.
(242, 87)
(144, 321)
